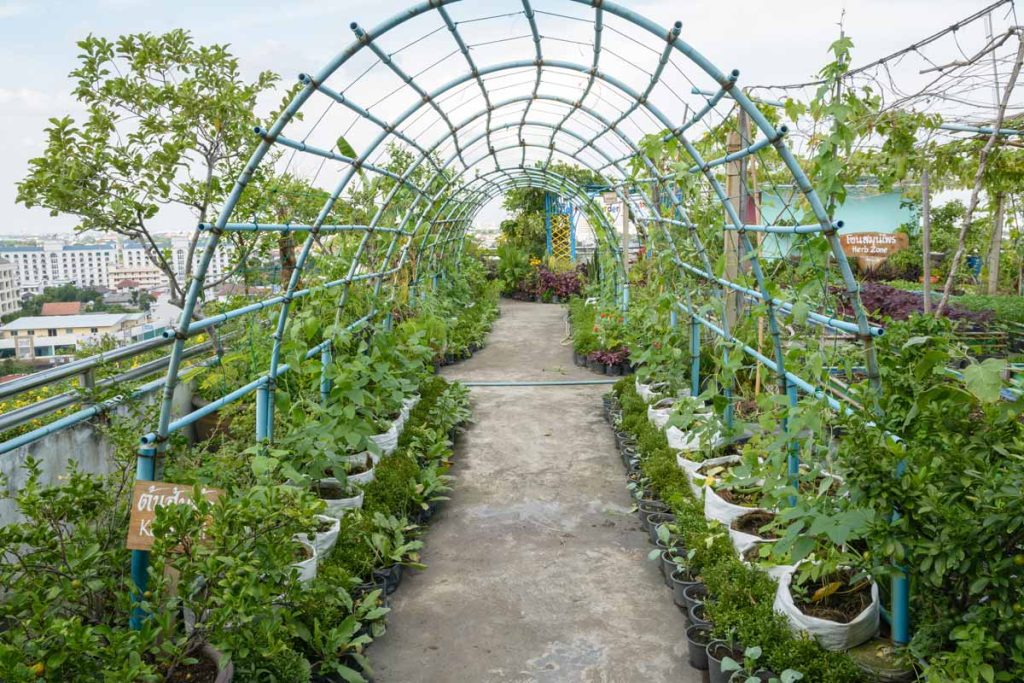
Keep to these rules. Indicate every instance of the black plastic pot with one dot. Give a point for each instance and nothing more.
(694, 595)
(656, 518)
(698, 617)
(622, 439)
(595, 366)
(613, 370)
(697, 639)
(647, 507)
(668, 565)
(392, 576)
(680, 581)
(375, 583)
(718, 650)
(633, 465)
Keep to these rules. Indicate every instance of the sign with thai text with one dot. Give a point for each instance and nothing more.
(147, 496)
(871, 249)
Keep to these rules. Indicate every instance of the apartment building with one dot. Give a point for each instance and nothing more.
(54, 264)
(54, 339)
(10, 301)
(104, 265)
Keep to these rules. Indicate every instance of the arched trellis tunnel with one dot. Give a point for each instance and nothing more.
(498, 125)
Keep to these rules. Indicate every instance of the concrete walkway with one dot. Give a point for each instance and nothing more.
(537, 568)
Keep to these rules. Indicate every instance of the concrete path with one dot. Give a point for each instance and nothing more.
(537, 569)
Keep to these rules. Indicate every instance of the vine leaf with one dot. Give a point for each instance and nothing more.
(985, 379)
(346, 149)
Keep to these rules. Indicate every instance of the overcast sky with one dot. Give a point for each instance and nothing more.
(771, 42)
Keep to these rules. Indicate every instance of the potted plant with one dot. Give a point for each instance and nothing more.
(834, 603)
(752, 528)
(359, 469)
(325, 535)
(718, 651)
(748, 671)
(393, 549)
(697, 639)
(731, 489)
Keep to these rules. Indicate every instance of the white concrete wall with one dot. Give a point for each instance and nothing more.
(81, 444)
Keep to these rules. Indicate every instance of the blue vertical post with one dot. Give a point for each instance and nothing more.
(144, 471)
(270, 409)
(673, 319)
(572, 233)
(794, 445)
(262, 413)
(325, 380)
(900, 589)
(694, 356)
(547, 224)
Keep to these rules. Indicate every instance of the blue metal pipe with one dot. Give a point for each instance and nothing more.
(980, 130)
(783, 306)
(144, 471)
(786, 229)
(799, 382)
(760, 100)
(293, 227)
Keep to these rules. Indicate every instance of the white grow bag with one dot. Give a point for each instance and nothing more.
(718, 509)
(679, 440)
(659, 413)
(649, 392)
(387, 441)
(742, 541)
(324, 541)
(692, 470)
(307, 567)
(830, 635)
(339, 506)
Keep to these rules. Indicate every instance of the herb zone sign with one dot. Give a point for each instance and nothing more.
(871, 249)
(147, 496)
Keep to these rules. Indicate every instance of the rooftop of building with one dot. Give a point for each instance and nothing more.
(61, 308)
(38, 322)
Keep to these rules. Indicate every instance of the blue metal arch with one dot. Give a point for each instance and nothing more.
(455, 204)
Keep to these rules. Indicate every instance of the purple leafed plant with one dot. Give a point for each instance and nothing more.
(563, 285)
(616, 357)
(884, 301)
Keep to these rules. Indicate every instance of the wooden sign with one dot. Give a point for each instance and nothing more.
(871, 249)
(147, 496)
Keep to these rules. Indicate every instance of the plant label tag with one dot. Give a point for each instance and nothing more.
(147, 496)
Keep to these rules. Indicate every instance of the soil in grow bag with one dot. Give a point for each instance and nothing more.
(752, 522)
(302, 553)
(753, 553)
(334, 490)
(809, 487)
(747, 496)
(203, 671)
(837, 601)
